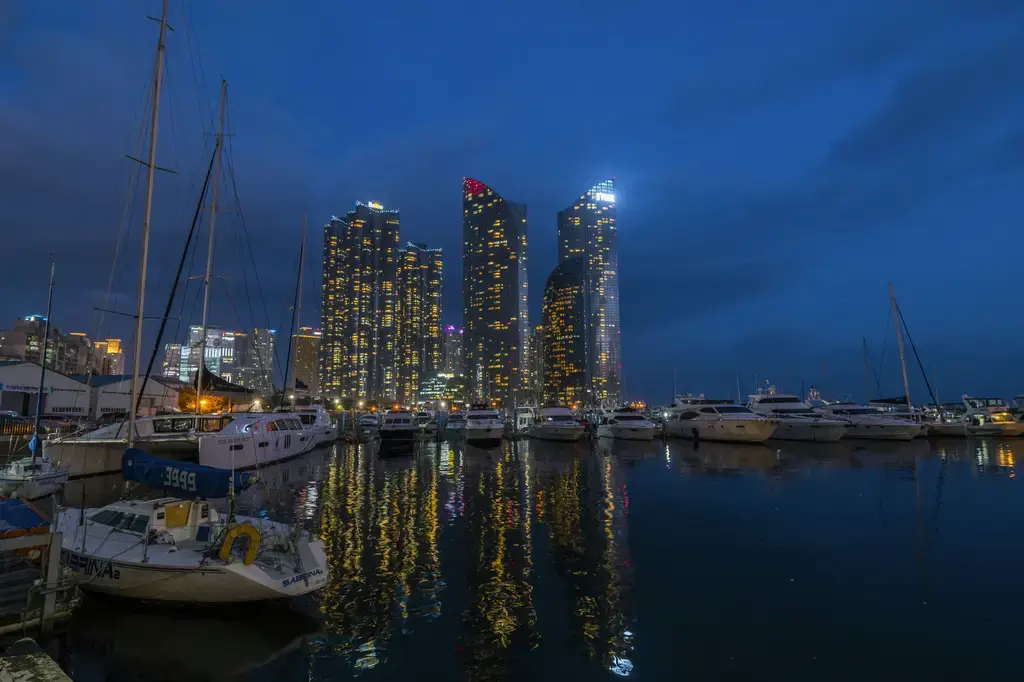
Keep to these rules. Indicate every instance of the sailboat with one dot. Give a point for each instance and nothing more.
(181, 549)
(35, 476)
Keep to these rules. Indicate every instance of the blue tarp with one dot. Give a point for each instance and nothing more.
(183, 479)
(16, 515)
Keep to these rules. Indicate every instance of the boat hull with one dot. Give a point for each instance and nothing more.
(618, 432)
(485, 437)
(249, 451)
(723, 431)
(561, 434)
(84, 457)
(792, 429)
(33, 487)
(904, 432)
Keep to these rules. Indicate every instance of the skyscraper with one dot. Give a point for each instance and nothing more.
(451, 362)
(107, 357)
(587, 230)
(564, 347)
(535, 366)
(494, 292)
(359, 301)
(420, 272)
(255, 359)
(307, 364)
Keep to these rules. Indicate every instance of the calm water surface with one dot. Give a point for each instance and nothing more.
(642, 560)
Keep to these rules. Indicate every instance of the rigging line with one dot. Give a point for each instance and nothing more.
(252, 317)
(177, 280)
(184, 293)
(193, 52)
(230, 168)
(920, 365)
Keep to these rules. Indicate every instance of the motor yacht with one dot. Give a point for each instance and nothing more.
(523, 420)
(318, 421)
(455, 426)
(397, 430)
(794, 419)
(181, 549)
(368, 426)
(898, 408)
(254, 439)
(626, 424)
(990, 417)
(558, 424)
(716, 420)
(426, 426)
(869, 422)
(484, 426)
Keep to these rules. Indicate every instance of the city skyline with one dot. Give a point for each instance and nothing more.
(761, 222)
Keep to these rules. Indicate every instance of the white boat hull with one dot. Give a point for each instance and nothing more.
(621, 432)
(903, 432)
(488, 436)
(185, 579)
(808, 430)
(248, 451)
(723, 431)
(562, 434)
(33, 487)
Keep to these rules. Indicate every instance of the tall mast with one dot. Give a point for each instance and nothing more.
(217, 151)
(291, 330)
(899, 340)
(298, 308)
(867, 370)
(154, 121)
(42, 367)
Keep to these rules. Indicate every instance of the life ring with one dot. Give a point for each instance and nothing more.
(233, 533)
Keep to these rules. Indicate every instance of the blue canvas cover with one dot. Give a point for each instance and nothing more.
(183, 479)
(16, 515)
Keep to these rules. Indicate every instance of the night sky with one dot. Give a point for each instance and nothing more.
(777, 165)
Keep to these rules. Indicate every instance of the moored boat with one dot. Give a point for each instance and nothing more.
(626, 424)
(716, 420)
(557, 424)
(484, 427)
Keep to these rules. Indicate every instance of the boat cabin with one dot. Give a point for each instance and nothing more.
(165, 520)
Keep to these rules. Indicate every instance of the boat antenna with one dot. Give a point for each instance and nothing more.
(158, 77)
(34, 444)
(899, 340)
(295, 310)
(207, 278)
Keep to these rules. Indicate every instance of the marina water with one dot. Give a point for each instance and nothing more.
(652, 561)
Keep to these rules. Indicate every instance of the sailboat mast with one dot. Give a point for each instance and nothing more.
(217, 152)
(899, 340)
(154, 121)
(867, 370)
(291, 331)
(42, 366)
(298, 308)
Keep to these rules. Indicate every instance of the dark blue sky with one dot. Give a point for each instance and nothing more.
(777, 163)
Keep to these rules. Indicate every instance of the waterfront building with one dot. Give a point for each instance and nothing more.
(587, 230)
(255, 360)
(306, 368)
(420, 273)
(451, 354)
(564, 344)
(359, 299)
(494, 291)
(182, 361)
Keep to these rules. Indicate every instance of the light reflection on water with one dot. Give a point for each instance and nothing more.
(657, 560)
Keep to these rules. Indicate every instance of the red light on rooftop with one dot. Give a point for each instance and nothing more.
(473, 186)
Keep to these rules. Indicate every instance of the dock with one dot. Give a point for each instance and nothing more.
(25, 661)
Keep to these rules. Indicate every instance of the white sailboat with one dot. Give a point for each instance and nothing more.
(35, 476)
(181, 549)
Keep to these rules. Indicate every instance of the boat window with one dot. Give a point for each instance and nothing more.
(139, 524)
(629, 418)
(801, 410)
(107, 517)
(559, 418)
(731, 409)
(296, 425)
(856, 410)
(780, 399)
(307, 418)
(686, 416)
(707, 410)
(173, 425)
(477, 417)
(215, 424)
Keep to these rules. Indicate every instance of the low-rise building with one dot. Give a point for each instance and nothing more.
(65, 396)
